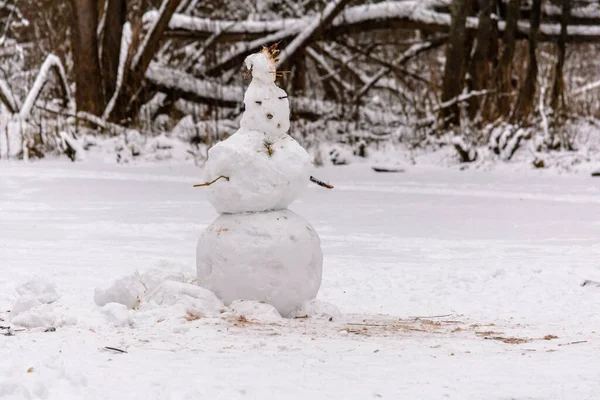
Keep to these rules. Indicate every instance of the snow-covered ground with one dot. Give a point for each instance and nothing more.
(451, 284)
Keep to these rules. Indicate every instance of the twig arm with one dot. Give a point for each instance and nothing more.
(211, 182)
(320, 183)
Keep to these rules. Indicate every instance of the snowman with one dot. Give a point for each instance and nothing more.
(257, 249)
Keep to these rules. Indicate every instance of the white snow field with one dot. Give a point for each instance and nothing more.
(450, 284)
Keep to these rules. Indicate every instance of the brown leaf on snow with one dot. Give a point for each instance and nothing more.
(550, 337)
(190, 316)
(30, 370)
(513, 340)
(488, 333)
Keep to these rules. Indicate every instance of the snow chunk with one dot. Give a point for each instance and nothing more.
(262, 175)
(42, 316)
(127, 291)
(155, 295)
(33, 293)
(196, 299)
(273, 257)
(255, 310)
(317, 308)
(117, 314)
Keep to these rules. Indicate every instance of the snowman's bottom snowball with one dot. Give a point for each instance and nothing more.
(273, 257)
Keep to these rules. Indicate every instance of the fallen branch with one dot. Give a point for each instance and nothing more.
(52, 62)
(188, 87)
(462, 98)
(410, 15)
(570, 343)
(313, 30)
(411, 52)
(114, 349)
(211, 182)
(320, 183)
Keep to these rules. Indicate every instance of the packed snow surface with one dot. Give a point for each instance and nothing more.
(261, 176)
(450, 284)
(273, 257)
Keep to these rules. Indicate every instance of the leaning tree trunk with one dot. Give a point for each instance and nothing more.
(88, 79)
(454, 69)
(480, 66)
(504, 72)
(111, 45)
(129, 97)
(526, 99)
(558, 99)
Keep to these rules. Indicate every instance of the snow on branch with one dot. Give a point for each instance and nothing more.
(207, 27)
(170, 80)
(16, 16)
(585, 88)
(411, 52)
(461, 98)
(311, 30)
(8, 98)
(399, 14)
(190, 88)
(52, 63)
(126, 37)
(146, 51)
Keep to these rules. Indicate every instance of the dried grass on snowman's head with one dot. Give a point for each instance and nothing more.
(265, 64)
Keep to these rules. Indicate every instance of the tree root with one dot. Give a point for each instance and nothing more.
(211, 182)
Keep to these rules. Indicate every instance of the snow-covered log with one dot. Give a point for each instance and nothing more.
(387, 14)
(312, 30)
(186, 86)
(190, 88)
(52, 63)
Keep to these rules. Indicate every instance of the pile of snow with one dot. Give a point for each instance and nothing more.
(158, 295)
(256, 310)
(317, 309)
(155, 295)
(33, 308)
(273, 257)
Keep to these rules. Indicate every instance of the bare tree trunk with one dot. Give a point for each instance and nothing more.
(526, 99)
(480, 63)
(504, 72)
(299, 78)
(558, 100)
(88, 78)
(111, 45)
(454, 69)
(128, 101)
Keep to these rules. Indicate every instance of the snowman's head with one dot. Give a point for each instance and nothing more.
(262, 65)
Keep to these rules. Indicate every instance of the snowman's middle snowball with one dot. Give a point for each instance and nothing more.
(264, 174)
(273, 257)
